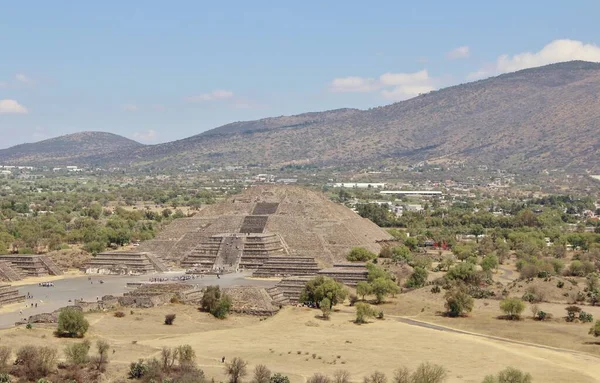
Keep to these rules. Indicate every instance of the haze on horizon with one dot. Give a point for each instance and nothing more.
(157, 73)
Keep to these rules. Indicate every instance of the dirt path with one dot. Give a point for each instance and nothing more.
(432, 326)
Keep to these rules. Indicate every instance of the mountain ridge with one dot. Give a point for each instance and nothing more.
(536, 118)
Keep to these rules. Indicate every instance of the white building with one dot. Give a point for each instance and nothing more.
(359, 185)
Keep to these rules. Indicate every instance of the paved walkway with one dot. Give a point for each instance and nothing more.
(53, 298)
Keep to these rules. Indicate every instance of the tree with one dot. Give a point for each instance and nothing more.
(363, 311)
(102, 359)
(382, 287)
(216, 302)
(341, 376)
(401, 253)
(77, 354)
(458, 301)
(359, 254)
(363, 288)
(261, 374)
(36, 362)
(323, 287)
(489, 262)
(418, 278)
(72, 323)
(595, 330)
(318, 378)
(169, 319)
(376, 377)
(429, 373)
(236, 370)
(325, 306)
(512, 307)
(509, 375)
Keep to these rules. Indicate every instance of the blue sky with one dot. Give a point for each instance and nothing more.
(160, 71)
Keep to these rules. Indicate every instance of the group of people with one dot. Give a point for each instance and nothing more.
(46, 284)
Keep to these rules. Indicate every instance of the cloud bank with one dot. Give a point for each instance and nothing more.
(12, 107)
(148, 136)
(555, 52)
(459, 53)
(393, 86)
(217, 94)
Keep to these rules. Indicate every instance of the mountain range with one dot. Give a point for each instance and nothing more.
(534, 119)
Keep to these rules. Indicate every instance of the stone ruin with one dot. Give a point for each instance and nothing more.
(124, 263)
(16, 267)
(277, 231)
(9, 294)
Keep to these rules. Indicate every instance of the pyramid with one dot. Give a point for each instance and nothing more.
(271, 224)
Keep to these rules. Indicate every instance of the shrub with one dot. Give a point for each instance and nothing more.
(279, 378)
(363, 311)
(261, 374)
(223, 307)
(359, 254)
(512, 307)
(534, 294)
(509, 375)
(458, 302)
(5, 378)
(138, 369)
(353, 299)
(187, 357)
(318, 378)
(72, 323)
(169, 319)
(463, 271)
(435, 289)
(5, 354)
(119, 314)
(595, 330)
(585, 317)
(380, 314)
(489, 262)
(560, 284)
(236, 370)
(77, 354)
(101, 360)
(418, 278)
(216, 302)
(571, 312)
(36, 362)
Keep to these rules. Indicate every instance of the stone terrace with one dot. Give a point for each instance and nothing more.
(8, 272)
(290, 288)
(287, 266)
(124, 263)
(347, 273)
(32, 265)
(9, 294)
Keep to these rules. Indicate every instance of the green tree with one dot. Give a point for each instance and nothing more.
(72, 323)
(418, 278)
(279, 378)
(382, 287)
(512, 307)
(363, 288)
(323, 287)
(489, 262)
(595, 330)
(509, 375)
(77, 354)
(458, 301)
(401, 253)
(363, 311)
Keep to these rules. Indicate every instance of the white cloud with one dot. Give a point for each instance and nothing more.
(12, 107)
(20, 77)
(130, 107)
(393, 86)
(459, 53)
(217, 94)
(147, 136)
(555, 52)
(3, 84)
(353, 84)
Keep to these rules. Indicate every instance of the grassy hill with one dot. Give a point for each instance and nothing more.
(539, 118)
(66, 149)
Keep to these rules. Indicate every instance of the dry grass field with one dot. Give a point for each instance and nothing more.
(297, 343)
